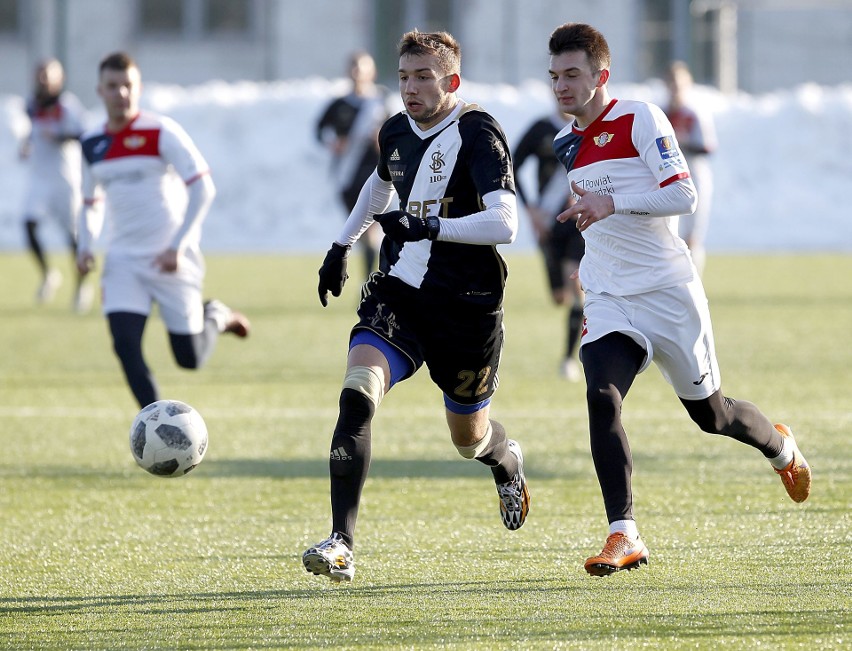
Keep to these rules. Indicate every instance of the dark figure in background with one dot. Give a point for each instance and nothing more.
(349, 127)
(561, 243)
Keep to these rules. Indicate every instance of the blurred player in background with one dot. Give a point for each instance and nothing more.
(438, 296)
(156, 188)
(560, 242)
(696, 135)
(52, 150)
(349, 127)
(644, 298)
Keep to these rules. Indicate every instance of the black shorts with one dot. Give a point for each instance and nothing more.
(565, 243)
(459, 341)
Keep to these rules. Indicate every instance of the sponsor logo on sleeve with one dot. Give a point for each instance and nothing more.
(667, 147)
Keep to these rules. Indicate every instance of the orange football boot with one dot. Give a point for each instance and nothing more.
(619, 553)
(796, 477)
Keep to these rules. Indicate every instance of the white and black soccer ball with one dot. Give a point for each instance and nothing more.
(168, 438)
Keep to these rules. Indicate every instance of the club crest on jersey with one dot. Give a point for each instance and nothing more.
(134, 142)
(436, 166)
(667, 147)
(601, 140)
(437, 162)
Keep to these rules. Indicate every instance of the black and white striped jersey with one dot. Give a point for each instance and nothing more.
(445, 171)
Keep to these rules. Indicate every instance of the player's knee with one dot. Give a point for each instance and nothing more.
(604, 401)
(126, 347)
(711, 422)
(365, 381)
(476, 449)
(187, 350)
(713, 415)
(189, 362)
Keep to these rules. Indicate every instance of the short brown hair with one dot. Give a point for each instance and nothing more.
(575, 37)
(440, 44)
(117, 61)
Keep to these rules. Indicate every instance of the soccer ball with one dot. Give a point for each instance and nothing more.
(168, 438)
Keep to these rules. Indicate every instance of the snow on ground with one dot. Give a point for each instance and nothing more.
(782, 173)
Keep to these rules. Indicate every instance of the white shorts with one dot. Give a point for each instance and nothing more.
(133, 284)
(672, 325)
(52, 200)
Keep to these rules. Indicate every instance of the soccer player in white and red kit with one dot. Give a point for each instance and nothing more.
(644, 299)
(156, 188)
(52, 149)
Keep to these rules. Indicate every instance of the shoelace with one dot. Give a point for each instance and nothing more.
(510, 493)
(615, 546)
(330, 543)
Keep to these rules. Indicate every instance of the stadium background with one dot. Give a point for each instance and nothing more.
(248, 80)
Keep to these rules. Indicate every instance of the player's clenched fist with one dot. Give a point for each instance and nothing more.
(401, 226)
(332, 273)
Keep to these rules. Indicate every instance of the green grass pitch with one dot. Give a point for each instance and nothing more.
(97, 554)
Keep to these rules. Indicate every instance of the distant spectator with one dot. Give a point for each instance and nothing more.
(696, 135)
(52, 149)
(349, 127)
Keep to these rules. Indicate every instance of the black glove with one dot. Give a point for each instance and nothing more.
(401, 226)
(332, 273)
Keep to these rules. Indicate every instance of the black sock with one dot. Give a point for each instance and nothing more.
(503, 463)
(349, 460)
(575, 325)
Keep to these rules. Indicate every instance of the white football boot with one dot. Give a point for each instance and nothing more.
(332, 558)
(514, 494)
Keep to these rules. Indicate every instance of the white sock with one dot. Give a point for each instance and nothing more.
(783, 460)
(627, 527)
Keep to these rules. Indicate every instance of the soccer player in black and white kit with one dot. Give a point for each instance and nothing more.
(437, 298)
(644, 298)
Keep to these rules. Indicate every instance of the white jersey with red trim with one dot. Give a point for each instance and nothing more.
(630, 149)
(141, 173)
(54, 158)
